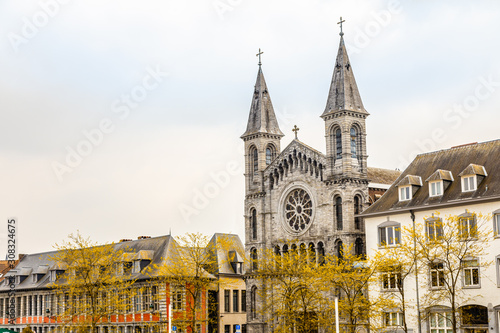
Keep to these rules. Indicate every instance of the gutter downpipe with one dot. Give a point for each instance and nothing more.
(412, 215)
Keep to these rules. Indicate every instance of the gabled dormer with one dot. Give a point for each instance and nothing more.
(408, 186)
(141, 260)
(472, 176)
(39, 273)
(236, 261)
(57, 270)
(439, 181)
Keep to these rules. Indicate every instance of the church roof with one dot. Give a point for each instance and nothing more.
(262, 118)
(451, 162)
(344, 93)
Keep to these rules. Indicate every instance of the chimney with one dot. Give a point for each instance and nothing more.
(143, 237)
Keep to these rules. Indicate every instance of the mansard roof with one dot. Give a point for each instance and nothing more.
(160, 250)
(228, 249)
(344, 93)
(262, 119)
(454, 160)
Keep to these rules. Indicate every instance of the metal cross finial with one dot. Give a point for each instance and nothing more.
(258, 55)
(341, 21)
(295, 129)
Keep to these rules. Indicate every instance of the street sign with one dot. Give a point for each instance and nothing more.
(174, 328)
(238, 329)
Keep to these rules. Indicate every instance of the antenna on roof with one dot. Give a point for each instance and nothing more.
(170, 231)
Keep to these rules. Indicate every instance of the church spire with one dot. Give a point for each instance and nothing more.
(262, 118)
(344, 94)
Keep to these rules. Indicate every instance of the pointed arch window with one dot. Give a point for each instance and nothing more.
(354, 143)
(270, 154)
(338, 212)
(338, 144)
(253, 302)
(253, 223)
(339, 249)
(357, 210)
(359, 248)
(255, 161)
(253, 257)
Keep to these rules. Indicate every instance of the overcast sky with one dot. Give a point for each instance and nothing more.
(122, 118)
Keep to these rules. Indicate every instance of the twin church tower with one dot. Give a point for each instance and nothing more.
(299, 197)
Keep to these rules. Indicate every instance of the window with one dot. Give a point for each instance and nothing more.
(496, 224)
(353, 142)
(243, 301)
(357, 210)
(253, 258)
(127, 267)
(434, 228)
(468, 183)
(255, 161)
(177, 296)
(392, 319)
(436, 188)
(338, 144)
(391, 281)
(471, 273)
(253, 223)
(467, 226)
(236, 300)
(497, 259)
(437, 275)
(405, 193)
(389, 235)
(227, 328)
(440, 322)
(359, 247)
(253, 302)
(270, 154)
(338, 212)
(226, 300)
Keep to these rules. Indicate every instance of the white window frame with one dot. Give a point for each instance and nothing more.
(432, 226)
(496, 224)
(405, 193)
(497, 263)
(393, 319)
(468, 273)
(440, 322)
(178, 297)
(469, 183)
(467, 225)
(392, 234)
(436, 188)
(391, 279)
(437, 271)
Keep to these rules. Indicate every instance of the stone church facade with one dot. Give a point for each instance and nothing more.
(300, 197)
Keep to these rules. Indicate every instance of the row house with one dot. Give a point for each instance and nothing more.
(27, 295)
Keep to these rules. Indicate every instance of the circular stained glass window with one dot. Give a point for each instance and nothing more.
(298, 210)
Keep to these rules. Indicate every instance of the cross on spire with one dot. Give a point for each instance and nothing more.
(295, 129)
(258, 55)
(341, 21)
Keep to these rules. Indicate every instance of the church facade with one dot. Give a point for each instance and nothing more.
(299, 197)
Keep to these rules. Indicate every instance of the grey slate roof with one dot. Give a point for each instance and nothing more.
(455, 160)
(344, 93)
(262, 118)
(229, 249)
(160, 250)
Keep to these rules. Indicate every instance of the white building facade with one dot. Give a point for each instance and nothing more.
(452, 182)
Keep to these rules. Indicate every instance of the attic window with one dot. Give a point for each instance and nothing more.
(408, 186)
(436, 188)
(469, 183)
(472, 176)
(405, 193)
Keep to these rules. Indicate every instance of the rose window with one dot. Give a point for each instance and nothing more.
(298, 210)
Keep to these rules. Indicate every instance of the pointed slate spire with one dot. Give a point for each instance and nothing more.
(344, 93)
(262, 118)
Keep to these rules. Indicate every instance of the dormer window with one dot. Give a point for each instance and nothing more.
(439, 182)
(472, 176)
(405, 193)
(469, 183)
(408, 186)
(436, 188)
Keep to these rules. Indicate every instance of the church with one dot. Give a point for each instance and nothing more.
(299, 197)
